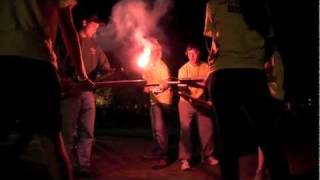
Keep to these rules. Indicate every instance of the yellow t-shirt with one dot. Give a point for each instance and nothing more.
(239, 47)
(26, 24)
(158, 73)
(199, 71)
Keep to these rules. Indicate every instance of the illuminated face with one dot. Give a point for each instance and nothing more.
(193, 55)
(91, 28)
(151, 52)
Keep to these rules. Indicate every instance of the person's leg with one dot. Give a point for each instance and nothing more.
(186, 113)
(275, 158)
(229, 156)
(160, 135)
(70, 109)
(86, 128)
(205, 126)
(160, 129)
(153, 152)
(263, 115)
(45, 109)
(261, 163)
(39, 109)
(261, 170)
(55, 153)
(223, 93)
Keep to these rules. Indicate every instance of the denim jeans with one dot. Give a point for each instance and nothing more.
(78, 125)
(158, 114)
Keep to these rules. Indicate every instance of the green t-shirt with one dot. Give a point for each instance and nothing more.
(27, 24)
(239, 47)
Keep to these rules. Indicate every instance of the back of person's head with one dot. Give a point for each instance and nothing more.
(256, 14)
(81, 19)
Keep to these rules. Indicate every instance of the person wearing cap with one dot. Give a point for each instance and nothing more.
(78, 107)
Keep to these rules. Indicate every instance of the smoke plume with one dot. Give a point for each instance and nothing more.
(130, 21)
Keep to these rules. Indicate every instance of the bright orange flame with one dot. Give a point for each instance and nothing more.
(144, 57)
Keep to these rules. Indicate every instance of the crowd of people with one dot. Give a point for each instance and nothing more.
(240, 76)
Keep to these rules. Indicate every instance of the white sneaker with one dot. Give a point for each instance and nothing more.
(212, 161)
(185, 165)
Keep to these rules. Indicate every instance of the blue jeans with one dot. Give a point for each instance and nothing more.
(158, 114)
(78, 114)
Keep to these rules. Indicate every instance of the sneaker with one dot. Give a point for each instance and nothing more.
(212, 161)
(185, 165)
(161, 163)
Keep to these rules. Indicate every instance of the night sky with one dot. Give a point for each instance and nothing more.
(296, 30)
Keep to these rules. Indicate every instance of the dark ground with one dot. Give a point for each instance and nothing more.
(120, 158)
(119, 146)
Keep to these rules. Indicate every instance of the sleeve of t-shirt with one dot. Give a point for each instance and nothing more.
(181, 73)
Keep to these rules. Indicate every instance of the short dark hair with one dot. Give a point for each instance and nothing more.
(93, 18)
(192, 45)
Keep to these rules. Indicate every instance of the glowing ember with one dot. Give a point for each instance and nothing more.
(144, 58)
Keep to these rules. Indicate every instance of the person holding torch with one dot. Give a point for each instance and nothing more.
(157, 72)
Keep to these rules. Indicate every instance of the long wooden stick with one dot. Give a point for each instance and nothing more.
(120, 83)
(139, 82)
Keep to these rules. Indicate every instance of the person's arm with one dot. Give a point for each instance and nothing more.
(210, 33)
(146, 89)
(104, 67)
(165, 76)
(208, 21)
(72, 42)
(104, 63)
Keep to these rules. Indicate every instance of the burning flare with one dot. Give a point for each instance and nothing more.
(145, 55)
